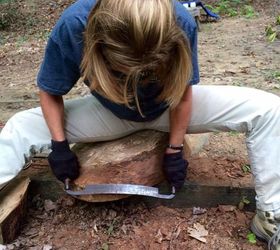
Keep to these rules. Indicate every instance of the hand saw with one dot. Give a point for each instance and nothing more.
(128, 189)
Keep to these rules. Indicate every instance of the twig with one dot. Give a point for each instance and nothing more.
(174, 231)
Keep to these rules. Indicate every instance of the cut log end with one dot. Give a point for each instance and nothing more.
(135, 159)
(13, 203)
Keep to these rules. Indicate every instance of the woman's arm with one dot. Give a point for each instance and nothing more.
(174, 165)
(179, 120)
(53, 111)
(63, 162)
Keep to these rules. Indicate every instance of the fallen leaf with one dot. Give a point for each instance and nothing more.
(177, 233)
(198, 210)
(49, 205)
(105, 246)
(95, 228)
(229, 72)
(198, 232)
(31, 233)
(47, 247)
(251, 238)
(159, 237)
(226, 208)
(68, 201)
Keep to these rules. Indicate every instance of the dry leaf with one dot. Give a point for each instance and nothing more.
(49, 205)
(47, 247)
(95, 227)
(177, 233)
(159, 237)
(198, 232)
(198, 210)
(226, 208)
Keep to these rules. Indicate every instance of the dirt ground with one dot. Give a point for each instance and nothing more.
(233, 51)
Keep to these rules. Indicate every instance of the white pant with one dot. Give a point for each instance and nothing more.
(215, 108)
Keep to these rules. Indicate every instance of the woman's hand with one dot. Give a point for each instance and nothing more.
(63, 162)
(175, 169)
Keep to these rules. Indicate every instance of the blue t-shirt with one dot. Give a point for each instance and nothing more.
(60, 68)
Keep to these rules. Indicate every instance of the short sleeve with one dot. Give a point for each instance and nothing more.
(57, 74)
(195, 66)
(188, 25)
(60, 68)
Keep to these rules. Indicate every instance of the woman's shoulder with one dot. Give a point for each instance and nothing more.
(73, 19)
(78, 9)
(184, 18)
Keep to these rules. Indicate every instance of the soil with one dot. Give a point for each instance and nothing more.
(233, 51)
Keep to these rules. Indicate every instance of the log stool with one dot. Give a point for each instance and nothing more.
(134, 159)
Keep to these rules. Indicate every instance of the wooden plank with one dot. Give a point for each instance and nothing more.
(191, 195)
(210, 195)
(13, 199)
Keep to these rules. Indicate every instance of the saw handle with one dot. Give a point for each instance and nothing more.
(67, 184)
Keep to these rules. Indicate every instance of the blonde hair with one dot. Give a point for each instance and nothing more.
(133, 37)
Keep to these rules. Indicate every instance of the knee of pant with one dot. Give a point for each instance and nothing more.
(19, 119)
(267, 105)
(267, 122)
(273, 109)
(266, 100)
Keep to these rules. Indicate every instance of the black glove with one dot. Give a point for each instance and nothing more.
(175, 169)
(63, 162)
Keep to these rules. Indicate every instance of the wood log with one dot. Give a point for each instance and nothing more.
(135, 159)
(43, 181)
(13, 203)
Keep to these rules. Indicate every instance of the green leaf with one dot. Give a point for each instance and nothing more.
(210, 7)
(249, 11)
(110, 229)
(246, 168)
(276, 75)
(245, 200)
(251, 238)
(278, 20)
(105, 246)
(272, 37)
(268, 30)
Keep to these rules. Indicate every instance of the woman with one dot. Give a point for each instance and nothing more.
(139, 58)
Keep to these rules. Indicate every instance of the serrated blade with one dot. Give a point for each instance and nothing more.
(129, 189)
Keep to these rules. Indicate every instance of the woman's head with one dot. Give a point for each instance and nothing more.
(132, 37)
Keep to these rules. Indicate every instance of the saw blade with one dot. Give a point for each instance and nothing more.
(129, 189)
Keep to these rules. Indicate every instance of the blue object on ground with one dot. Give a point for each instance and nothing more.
(199, 3)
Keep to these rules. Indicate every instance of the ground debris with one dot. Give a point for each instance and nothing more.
(226, 208)
(159, 237)
(199, 210)
(198, 232)
(47, 247)
(49, 205)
